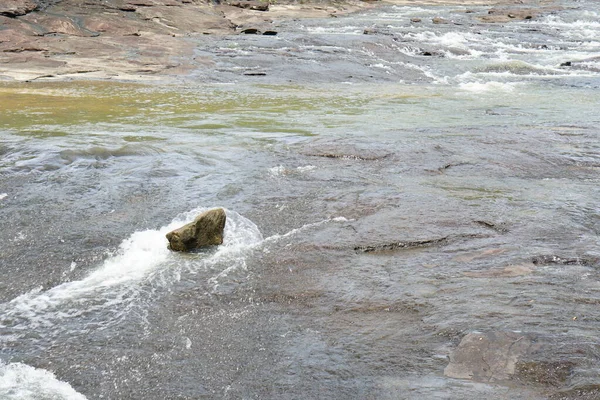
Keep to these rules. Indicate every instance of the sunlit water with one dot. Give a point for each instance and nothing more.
(387, 194)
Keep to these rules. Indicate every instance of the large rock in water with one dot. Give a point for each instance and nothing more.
(206, 230)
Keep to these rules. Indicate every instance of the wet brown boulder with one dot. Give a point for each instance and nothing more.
(205, 230)
(439, 20)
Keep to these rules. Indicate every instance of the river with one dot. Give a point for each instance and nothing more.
(396, 192)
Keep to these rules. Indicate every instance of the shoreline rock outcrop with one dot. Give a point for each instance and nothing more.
(153, 40)
(130, 40)
(206, 230)
(16, 8)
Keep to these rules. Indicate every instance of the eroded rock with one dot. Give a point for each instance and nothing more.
(412, 244)
(502, 15)
(205, 230)
(440, 20)
(251, 5)
(126, 39)
(550, 259)
(401, 245)
(15, 8)
(250, 31)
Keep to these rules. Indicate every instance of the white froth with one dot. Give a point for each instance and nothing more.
(340, 219)
(325, 30)
(22, 382)
(426, 71)
(234, 249)
(381, 66)
(306, 168)
(140, 258)
(280, 170)
(491, 86)
(3, 195)
(586, 28)
(234, 254)
(275, 238)
(460, 40)
(137, 255)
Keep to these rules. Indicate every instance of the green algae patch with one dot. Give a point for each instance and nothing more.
(31, 104)
(36, 106)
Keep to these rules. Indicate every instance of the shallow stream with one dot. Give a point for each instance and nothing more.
(392, 188)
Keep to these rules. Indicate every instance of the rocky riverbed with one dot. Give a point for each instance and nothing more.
(410, 190)
(148, 40)
(123, 39)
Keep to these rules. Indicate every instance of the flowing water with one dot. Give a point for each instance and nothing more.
(392, 188)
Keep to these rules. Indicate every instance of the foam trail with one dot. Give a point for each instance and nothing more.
(22, 382)
(275, 238)
(491, 86)
(139, 254)
(237, 260)
(141, 263)
(141, 258)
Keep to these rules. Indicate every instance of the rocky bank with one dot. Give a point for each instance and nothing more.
(149, 39)
(124, 39)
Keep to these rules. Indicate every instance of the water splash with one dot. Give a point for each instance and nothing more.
(141, 263)
(237, 269)
(22, 382)
(491, 86)
(141, 266)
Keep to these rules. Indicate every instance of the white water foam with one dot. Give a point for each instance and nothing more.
(465, 41)
(586, 28)
(275, 238)
(426, 71)
(237, 262)
(142, 263)
(335, 30)
(280, 170)
(488, 87)
(143, 258)
(22, 382)
(3, 195)
(306, 168)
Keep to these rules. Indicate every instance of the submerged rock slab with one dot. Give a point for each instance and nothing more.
(489, 357)
(205, 230)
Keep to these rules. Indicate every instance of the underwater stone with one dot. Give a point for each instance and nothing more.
(205, 230)
(491, 356)
(439, 20)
